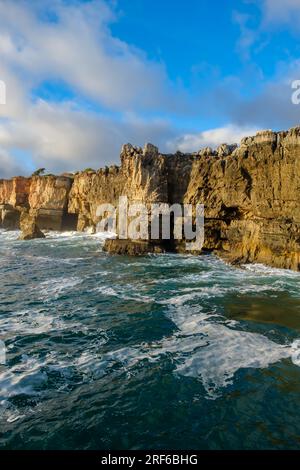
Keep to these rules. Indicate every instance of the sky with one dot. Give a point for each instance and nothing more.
(83, 77)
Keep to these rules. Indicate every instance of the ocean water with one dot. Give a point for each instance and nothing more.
(158, 352)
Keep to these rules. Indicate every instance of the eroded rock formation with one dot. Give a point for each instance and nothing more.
(250, 192)
(29, 226)
(47, 196)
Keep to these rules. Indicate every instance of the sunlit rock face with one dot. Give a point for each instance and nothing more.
(28, 225)
(49, 197)
(251, 194)
(252, 199)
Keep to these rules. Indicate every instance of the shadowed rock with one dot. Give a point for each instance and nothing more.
(29, 227)
(251, 195)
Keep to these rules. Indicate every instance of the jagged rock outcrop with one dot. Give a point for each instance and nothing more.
(90, 189)
(9, 217)
(251, 194)
(29, 226)
(48, 196)
(15, 191)
(252, 199)
(133, 248)
(142, 177)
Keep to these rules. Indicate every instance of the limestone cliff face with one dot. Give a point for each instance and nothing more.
(251, 199)
(91, 189)
(142, 177)
(15, 191)
(44, 196)
(251, 195)
(28, 226)
(49, 192)
(48, 198)
(145, 173)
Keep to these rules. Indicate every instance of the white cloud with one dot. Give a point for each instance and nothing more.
(247, 35)
(279, 11)
(269, 107)
(211, 138)
(8, 165)
(61, 138)
(275, 15)
(266, 101)
(78, 49)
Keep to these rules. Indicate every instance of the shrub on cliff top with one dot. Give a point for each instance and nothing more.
(39, 172)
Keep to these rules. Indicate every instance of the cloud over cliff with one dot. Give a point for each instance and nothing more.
(76, 92)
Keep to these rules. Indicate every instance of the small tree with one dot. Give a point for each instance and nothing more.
(89, 170)
(39, 172)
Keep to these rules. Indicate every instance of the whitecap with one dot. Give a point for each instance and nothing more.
(121, 293)
(207, 348)
(258, 268)
(53, 288)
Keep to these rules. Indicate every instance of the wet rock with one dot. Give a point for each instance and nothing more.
(251, 196)
(29, 227)
(132, 247)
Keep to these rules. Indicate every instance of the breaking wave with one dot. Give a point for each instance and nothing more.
(78, 323)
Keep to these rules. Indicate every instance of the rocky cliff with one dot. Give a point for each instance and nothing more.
(45, 196)
(251, 195)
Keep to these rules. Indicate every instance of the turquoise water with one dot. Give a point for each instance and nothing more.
(166, 351)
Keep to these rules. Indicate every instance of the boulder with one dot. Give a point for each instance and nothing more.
(132, 247)
(29, 227)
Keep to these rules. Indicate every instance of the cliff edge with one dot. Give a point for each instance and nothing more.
(251, 195)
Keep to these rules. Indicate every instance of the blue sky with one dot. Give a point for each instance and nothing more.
(84, 77)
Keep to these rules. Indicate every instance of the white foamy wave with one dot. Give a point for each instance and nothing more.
(223, 351)
(87, 235)
(27, 322)
(295, 352)
(220, 350)
(22, 378)
(207, 348)
(9, 412)
(192, 293)
(258, 268)
(30, 375)
(53, 234)
(122, 293)
(35, 322)
(9, 235)
(53, 288)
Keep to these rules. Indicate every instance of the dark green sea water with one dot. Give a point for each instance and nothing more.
(166, 351)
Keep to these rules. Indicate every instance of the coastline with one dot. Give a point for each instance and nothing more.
(250, 195)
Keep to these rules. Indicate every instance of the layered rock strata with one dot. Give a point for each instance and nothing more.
(250, 193)
(46, 196)
(29, 226)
